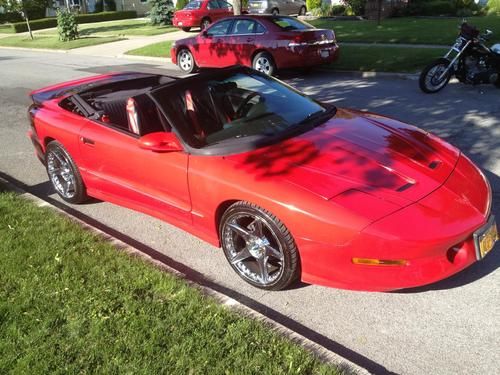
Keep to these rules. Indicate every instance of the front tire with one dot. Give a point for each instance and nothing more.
(302, 11)
(259, 247)
(275, 12)
(185, 61)
(64, 174)
(186, 29)
(429, 81)
(264, 63)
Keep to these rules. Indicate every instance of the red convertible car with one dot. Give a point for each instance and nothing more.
(265, 43)
(201, 13)
(289, 187)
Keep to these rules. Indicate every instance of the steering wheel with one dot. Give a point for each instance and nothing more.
(241, 107)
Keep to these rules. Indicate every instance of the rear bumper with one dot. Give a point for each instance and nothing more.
(40, 154)
(435, 236)
(294, 57)
(186, 22)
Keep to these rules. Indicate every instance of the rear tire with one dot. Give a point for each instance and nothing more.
(429, 82)
(302, 11)
(186, 29)
(275, 12)
(64, 174)
(185, 61)
(264, 63)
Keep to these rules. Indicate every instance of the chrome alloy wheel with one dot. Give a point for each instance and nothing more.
(262, 64)
(253, 247)
(186, 61)
(432, 80)
(61, 173)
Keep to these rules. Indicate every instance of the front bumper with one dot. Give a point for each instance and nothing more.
(435, 236)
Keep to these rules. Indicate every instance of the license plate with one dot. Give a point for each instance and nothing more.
(485, 238)
(324, 53)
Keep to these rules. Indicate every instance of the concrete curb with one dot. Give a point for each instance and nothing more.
(344, 365)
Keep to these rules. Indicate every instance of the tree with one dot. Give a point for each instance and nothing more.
(237, 7)
(29, 9)
(161, 12)
(66, 25)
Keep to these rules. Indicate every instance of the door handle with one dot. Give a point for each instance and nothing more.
(250, 40)
(87, 141)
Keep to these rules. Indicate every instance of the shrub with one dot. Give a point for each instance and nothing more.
(45, 23)
(313, 4)
(181, 4)
(355, 7)
(328, 10)
(494, 7)
(66, 26)
(10, 17)
(161, 12)
(432, 8)
(99, 6)
(109, 5)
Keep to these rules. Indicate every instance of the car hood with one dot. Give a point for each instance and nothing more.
(357, 153)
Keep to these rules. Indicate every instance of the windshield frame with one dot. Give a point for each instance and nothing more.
(243, 144)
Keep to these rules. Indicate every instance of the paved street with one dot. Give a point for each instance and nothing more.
(447, 328)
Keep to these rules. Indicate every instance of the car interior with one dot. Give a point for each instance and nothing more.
(122, 105)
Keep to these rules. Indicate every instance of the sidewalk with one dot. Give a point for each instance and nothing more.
(119, 48)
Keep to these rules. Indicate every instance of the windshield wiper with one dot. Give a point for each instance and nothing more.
(321, 114)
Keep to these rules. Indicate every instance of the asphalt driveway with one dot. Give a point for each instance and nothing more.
(447, 328)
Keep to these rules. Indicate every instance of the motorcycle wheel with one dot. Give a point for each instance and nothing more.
(429, 78)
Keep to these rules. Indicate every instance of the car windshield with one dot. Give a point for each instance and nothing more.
(193, 5)
(239, 107)
(289, 23)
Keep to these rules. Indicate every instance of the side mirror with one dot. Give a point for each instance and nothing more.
(160, 142)
(205, 34)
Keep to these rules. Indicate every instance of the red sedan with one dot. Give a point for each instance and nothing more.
(289, 187)
(201, 13)
(266, 43)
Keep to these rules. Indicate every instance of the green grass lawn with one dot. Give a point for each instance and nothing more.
(119, 28)
(6, 29)
(52, 42)
(71, 303)
(407, 30)
(161, 49)
(358, 58)
(385, 59)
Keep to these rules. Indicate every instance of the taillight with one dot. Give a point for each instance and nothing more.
(297, 42)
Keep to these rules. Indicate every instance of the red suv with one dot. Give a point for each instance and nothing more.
(201, 13)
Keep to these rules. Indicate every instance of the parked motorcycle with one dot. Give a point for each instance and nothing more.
(469, 60)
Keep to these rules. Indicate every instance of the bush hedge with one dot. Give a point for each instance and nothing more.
(10, 17)
(45, 23)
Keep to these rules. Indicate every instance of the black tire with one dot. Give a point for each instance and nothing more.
(264, 62)
(302, 11)
(259, 247)
(186, 29)
(275, 11)
(428, 80)
(205, 22)
(64, 174)
(185, 61)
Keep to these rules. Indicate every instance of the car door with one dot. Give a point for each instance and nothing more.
(226, 8)
(215, 12)
(123, 173)
(242, 40)
(214, 46)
